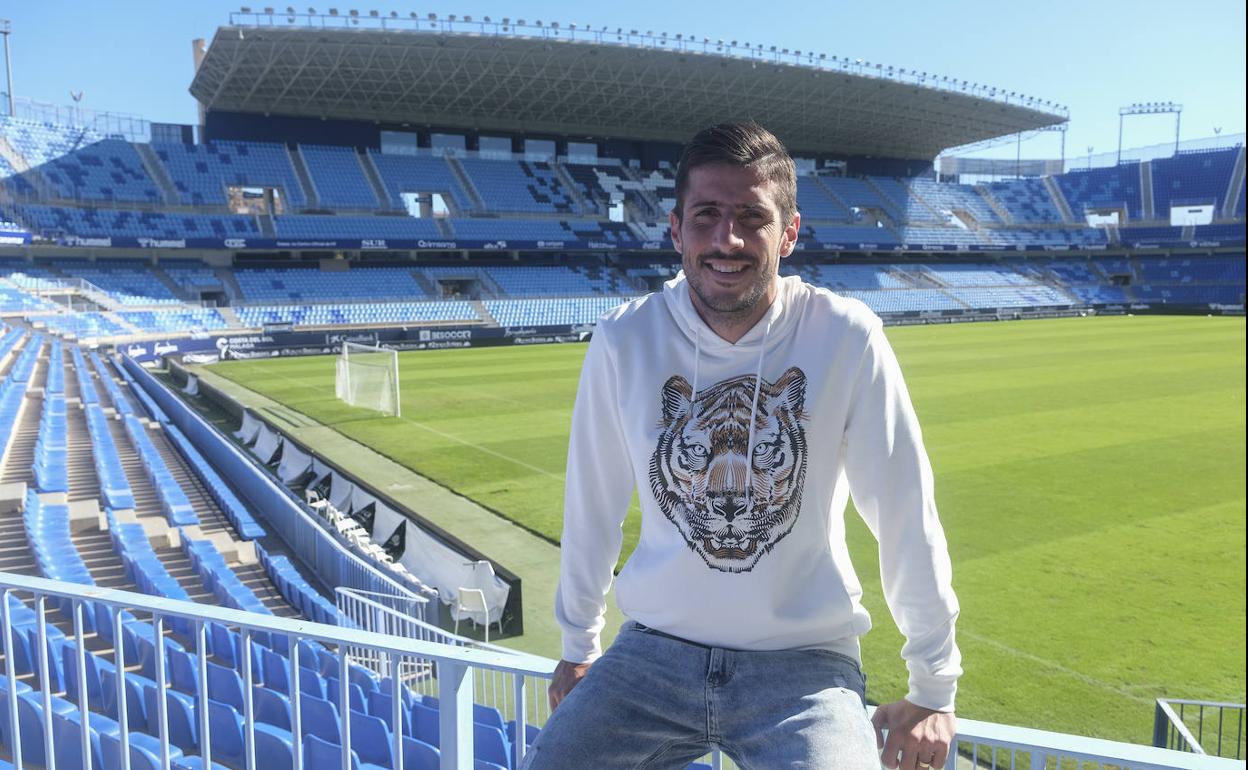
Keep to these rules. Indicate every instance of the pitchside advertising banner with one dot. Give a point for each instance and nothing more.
(395, 244)
(198, 350)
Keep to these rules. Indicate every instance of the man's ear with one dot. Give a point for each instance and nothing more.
(674, 223)
(789, 240)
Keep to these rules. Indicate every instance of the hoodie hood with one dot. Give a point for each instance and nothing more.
(775, 323)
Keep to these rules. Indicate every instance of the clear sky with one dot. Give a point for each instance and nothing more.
(134, 56)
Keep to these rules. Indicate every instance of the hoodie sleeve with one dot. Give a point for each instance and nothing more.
(890, 480)
(597, 491)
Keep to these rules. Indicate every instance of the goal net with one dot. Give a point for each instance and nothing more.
(368, 377)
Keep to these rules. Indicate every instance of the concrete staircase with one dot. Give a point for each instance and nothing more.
(838, 200)
(229, 316)
(156, 170)
(994, 204)
(374, 180)
(169, 283)
(232, 290)
(489, 319)
(427, 286)
(1230, 201)
(15, 158)
(1059, 200)
(1147, 201)
(305, 179)
(584, 204)
(465, 181)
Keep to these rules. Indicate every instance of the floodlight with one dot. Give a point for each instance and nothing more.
(245, 9)
(432, 17)
(289, 10)
(354, 13)
(468, 18)
(268, 10)
(373, 14)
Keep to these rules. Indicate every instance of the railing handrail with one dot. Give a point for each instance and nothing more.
(1210, 703)
(513, 662)
(1177, 724)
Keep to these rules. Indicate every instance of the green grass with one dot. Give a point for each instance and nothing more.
(1089, 472)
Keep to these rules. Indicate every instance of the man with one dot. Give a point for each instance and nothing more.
(745, 409)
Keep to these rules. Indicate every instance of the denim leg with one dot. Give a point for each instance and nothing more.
(798, 709)
(641, 707)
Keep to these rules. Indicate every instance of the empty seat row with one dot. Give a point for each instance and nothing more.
(173, 501)
(233, 508)
(87, 393)
(121, 402)
(114, 485)
(149, 406)
(55, 382)
(219, 579)
(50, 465)
(48, 532)
(295, 589)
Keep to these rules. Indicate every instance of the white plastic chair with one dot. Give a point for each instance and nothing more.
(471, 601)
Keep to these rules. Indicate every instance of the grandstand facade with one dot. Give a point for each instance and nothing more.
(322, 204)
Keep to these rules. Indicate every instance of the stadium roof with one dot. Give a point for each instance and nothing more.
(529, 78)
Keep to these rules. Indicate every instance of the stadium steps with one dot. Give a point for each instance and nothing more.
(584, 204)
(374, 181)
(1001, 211)
(485, 314)
(7, 362)
(936, 214)
(1230, 201)
(211, 520)
(264, 223)
(444, 228)
(232, 290)
(838, 200)
(310, 192)
(1147, 203)
(230, 317)
(1188, 234)
(427, 286)
(465, 182)
(656, 211)
(1059, 200)
(159, 274)
(79, 457)
(123, 323)
(15, 158)
(899, 205)
(21, 453)
(156, 170)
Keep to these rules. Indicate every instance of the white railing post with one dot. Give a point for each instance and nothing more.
(521, 716)
(455, 715)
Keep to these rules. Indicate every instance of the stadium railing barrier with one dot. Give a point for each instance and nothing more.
(275, 505)
(1219, 727)
(449, 670)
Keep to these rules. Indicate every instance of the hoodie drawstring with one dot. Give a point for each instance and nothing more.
(749, 444)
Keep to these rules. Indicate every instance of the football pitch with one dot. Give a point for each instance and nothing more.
(1089, 474)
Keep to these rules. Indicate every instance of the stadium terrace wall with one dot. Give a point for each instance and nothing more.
(200, 350)
(454, 244)
(277, 506)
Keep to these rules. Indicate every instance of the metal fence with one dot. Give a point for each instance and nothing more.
(1200, 727)
(113, 635)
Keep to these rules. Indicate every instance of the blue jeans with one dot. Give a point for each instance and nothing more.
(655, 702)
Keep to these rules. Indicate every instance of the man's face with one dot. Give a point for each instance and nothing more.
(730, 240)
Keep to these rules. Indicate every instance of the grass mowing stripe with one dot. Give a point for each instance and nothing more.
(1090, 474)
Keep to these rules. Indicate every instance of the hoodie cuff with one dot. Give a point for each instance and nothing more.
(581, 648)
(932, 693)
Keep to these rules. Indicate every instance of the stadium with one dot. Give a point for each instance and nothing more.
(285, 395)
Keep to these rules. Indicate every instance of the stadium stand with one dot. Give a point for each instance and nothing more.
(1027, 200)
(1115, 186)
(358, 314)
(1192, 177)
(313, 226)
(91, 223)
(109, 170)
(418, 174)
(39, 142)
(338, 177)
(202, 172)
(954, 198)
(305, 285)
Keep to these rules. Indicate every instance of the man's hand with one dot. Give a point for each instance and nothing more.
(919, 735)
(567, 675)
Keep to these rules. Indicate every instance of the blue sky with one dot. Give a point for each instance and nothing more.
(134, 56)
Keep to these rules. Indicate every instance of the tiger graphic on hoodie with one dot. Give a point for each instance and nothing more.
(731, 500)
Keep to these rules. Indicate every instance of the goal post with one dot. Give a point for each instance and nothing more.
(368, 376)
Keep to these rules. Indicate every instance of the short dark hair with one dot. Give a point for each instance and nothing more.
(744, 145)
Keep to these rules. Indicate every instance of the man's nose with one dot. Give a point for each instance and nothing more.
(727, 239)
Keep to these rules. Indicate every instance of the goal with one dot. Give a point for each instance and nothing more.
(368, 377)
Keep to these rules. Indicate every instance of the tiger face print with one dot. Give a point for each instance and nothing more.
(698, 472)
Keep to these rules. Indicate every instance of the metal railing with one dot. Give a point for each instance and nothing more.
(1200, 727)
(128, 619)
(118, 630)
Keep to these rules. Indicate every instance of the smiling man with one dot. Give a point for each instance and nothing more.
(746, 410)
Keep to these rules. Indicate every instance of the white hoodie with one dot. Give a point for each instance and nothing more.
(752, 555)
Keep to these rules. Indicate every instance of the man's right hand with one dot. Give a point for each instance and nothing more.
(567, 675)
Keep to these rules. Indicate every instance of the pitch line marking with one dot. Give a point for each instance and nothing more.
(434, 431)
(1070, 672)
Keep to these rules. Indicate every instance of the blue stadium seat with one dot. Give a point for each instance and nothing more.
(181, 711)
(418, 755)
